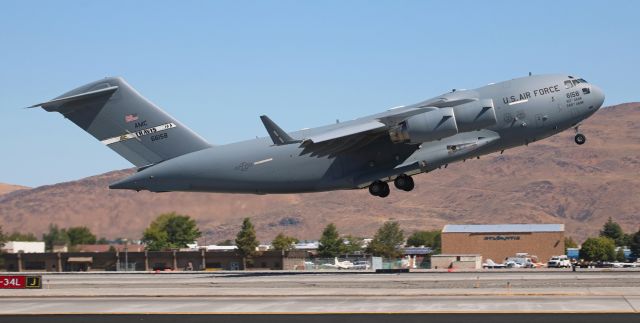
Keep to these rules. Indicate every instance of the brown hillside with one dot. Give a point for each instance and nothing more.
(552, 181)
(6, 188)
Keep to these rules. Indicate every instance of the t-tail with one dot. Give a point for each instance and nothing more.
(117, 115)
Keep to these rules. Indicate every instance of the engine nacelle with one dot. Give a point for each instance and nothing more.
(475, 115)
(428, 126)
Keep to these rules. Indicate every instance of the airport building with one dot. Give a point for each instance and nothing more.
(151, 261)
(500, 241)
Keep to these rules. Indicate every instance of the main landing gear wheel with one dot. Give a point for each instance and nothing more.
(580, 139)
(379, 188)
(404, 182)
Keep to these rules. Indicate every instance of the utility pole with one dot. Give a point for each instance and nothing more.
(126, 254)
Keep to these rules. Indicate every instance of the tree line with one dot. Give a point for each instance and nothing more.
(172, 230)
(55, 235)
(603, 247)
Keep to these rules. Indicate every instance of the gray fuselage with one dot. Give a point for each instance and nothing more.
(527, 109)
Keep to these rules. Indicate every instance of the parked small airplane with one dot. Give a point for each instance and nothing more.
(490, 264)
(365, 152)
(339, 264)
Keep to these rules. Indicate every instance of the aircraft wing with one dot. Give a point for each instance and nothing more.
(360, 132)
(358, 128)
(357, 133)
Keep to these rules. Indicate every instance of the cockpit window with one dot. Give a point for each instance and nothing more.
(575, 82)
(567, 84)
(582, 81)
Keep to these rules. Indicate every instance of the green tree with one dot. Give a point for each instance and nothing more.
(80, 235)
(626, 240)
(17, 236)
(55, 237)
(330, 242)
(620, 255)
(247, 242)
(569, 243)
(102, 240)
(598, 249)
(387, 240)
(613, 231)
(351, 245)
(170, 230)
(283, 242)
(430, 239)
(3, 238)
(634, 245)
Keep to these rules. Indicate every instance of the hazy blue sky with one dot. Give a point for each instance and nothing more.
(217, 65)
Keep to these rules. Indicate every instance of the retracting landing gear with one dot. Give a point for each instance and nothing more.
(580, 139)
(379, 188)
(404, 182)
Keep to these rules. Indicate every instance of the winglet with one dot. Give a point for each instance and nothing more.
(279, 136)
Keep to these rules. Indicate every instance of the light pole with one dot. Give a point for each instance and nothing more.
(126, 254)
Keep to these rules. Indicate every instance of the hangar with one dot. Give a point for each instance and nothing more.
(500, 241)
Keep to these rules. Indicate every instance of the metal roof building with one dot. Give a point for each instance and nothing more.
(500, 241)
(500, 228)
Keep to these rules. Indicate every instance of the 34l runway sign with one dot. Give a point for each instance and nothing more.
(20, 282)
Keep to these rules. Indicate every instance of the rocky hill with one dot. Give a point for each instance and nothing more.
(551, 181)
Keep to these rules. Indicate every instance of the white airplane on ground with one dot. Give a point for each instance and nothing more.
(491, 264)
(339, 264)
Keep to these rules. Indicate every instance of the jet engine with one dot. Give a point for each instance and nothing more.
(475, 115)
(428, 126)
(445, 122)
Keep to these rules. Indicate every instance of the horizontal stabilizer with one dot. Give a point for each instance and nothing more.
(53, 104)
(279, 136)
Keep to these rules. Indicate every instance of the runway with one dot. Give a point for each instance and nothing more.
(305, 284)
(326, 304)
(348, 296)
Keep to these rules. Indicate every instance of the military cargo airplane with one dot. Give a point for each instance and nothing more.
(367, 152)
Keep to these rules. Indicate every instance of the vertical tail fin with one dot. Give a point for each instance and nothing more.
(117, 115)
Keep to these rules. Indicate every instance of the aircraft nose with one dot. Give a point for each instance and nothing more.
(598, 95)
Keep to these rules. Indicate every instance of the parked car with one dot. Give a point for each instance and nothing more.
(559, 262)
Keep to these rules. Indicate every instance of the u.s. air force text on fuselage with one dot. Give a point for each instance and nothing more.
(527, 95)
(367, 152)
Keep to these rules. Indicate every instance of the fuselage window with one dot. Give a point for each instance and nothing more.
(567, 84)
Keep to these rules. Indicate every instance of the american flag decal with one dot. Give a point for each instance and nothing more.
(130, 117)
